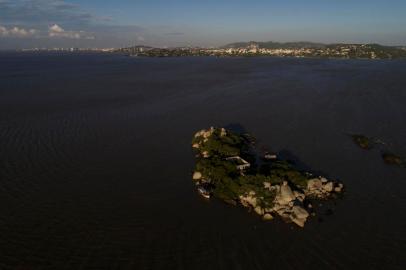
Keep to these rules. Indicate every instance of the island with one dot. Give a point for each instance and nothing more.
(228, 167)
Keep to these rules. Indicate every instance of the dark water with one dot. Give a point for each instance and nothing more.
(95, 161)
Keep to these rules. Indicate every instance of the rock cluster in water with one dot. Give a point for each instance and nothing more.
(227, 168)
(388, 157)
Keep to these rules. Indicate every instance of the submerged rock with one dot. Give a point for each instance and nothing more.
(362, 141)
(392, 159)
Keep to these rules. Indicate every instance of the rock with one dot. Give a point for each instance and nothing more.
(299, 196)
(362, 141)
(280, 209)
(267, 216)
(314, 184)
(244, 203)
(223, 132)
(267, 185)
(249, 200)
(199, 133)
(299, 215)
(286, 195)
(328, 187)
(195, 145)
(259, 210)
(339, 188)
(299, 222)
(323, 180)
(205, 154)
(204, 133)
(299, 212)
(197, 175)
(277, 206)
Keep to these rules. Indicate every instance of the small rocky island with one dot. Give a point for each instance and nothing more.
(388, 157)
(229, 168)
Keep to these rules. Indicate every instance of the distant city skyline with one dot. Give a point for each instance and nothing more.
(159, 23)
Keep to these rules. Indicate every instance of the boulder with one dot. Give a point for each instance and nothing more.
(299, 196)
(223, 132)
(205, 154)
(282, 210)
(285, 195)
(249, 200)
(267, 185)
(314, 184)
(259, 210)
(200, 133)
(328, 187)
(195, 145)
(267, 216)
(197, 175)
(299, 222)
(299, 215)
(339, 188)
(299, 212)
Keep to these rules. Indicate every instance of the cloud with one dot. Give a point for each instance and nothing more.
(16, 32)
(175, 34)
(59, 23)
(55, 31)
(42, 12)
(140, 38)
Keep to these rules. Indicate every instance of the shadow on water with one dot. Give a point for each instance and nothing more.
(236, 127)
(284, 154)
(288, 156)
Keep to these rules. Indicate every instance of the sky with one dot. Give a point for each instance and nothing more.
(205, 23)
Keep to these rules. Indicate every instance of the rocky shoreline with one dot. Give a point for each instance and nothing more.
(222, 171)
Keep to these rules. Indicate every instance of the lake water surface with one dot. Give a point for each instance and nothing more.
(96, 161)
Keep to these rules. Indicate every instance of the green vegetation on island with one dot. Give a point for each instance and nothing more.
(228, 168)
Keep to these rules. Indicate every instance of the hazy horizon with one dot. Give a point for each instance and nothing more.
(91, 24)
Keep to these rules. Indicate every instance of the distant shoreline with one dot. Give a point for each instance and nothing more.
(295, 49)
(185, 55)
